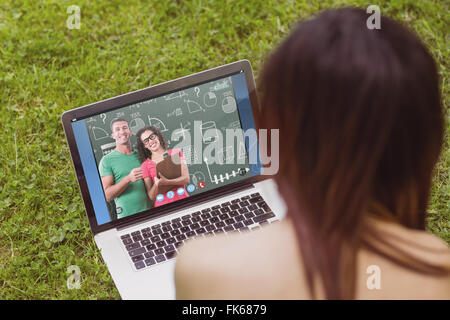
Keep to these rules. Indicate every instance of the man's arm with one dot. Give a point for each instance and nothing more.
(112, 190)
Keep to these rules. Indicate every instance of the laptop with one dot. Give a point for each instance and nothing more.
(207, 118)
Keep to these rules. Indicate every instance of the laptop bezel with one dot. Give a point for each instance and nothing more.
(144, 94)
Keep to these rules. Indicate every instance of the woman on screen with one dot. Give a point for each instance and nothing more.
(152, 149)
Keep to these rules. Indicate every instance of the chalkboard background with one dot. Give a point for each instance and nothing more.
(212, 103)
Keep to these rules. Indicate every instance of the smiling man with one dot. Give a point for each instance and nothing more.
(122, 175)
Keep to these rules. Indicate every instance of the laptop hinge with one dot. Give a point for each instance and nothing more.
(193, 203)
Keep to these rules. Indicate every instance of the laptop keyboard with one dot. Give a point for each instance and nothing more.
(160, 242)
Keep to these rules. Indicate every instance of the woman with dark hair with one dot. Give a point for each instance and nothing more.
(361, 125)
(152, 147)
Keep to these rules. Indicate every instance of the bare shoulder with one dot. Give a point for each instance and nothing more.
(265, 260)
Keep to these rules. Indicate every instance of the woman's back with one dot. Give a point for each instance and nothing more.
(266, 264)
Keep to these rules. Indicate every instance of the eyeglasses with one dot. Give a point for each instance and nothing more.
(147, 140)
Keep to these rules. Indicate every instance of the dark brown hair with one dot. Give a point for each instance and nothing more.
(143, 152)
(361, 128)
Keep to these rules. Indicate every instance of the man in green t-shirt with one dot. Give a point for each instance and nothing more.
(122, 175)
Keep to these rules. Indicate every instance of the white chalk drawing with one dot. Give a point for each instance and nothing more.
(120, 114)
(226, 176)
(157, 123)
(210, 99)
(175, 113)
(196, 177)
(226, 154)
(175, 95)
(193, 106)
(205, 127)
(103, 117)
(221, 85)
(136, 125)
(191, 154)
(91, 119)
(197, 91)
(235, 125)
(228, 105)
(107, 148)
(99, 133)
(177, 133)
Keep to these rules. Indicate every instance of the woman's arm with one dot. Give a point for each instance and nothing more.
(152, 188)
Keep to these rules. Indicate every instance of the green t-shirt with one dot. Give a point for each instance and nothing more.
(134, 198)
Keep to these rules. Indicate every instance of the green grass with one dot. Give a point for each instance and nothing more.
(46, 69)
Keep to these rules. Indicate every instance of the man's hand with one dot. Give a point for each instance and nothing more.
(135, 175)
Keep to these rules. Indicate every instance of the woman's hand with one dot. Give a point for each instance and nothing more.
(157, 181)
(163, 180)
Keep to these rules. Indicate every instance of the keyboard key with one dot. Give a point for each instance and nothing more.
(249, 215)
(178, 244)
(190, 234)
(210, 227)
(215, 213)
(165, 223)
(195, 226)
(137, 238)
(239, 218)
(150, 261)
(204, 223)
(206, 210)
(147, 235)
(254, 194)
(181, 237)
(159, 251)
(244, 204)
(225, 210)
(185, 229)
(175, 233)
(156, 226)
(196, 214)
(200, 230)
(165, 236)
(170, 254)
(145, 230)
(230, 221)
(171, 240)
(136, 252)
(137, 258)
(233, 213)
(136, 233)
(186, 217)
(149, 254)
(220, 224)
(248, 222)
(176, 220)
(243, 210)
(186, 222)
(151, 247)
(145, 242)
(234, 207)
(125, 236)
(160, 258)
(264, 217)
(218, 231)
(161, 243)
(155, 239)
(226, 204)
(224, 216)
(132, 246)
(169, 248)
(214, 220)
(235, 201)
(157, 231)
(127, 241)
(238, 225)
(255, 199)
(196, 219)
(258, 211)
(139, 265)
(252, 207)
(228, 228)
(215, 207)
(245, 198)
(176, 225)
(205, 216)
(167, 228)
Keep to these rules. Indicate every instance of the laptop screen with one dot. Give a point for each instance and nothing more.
(209, 126)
